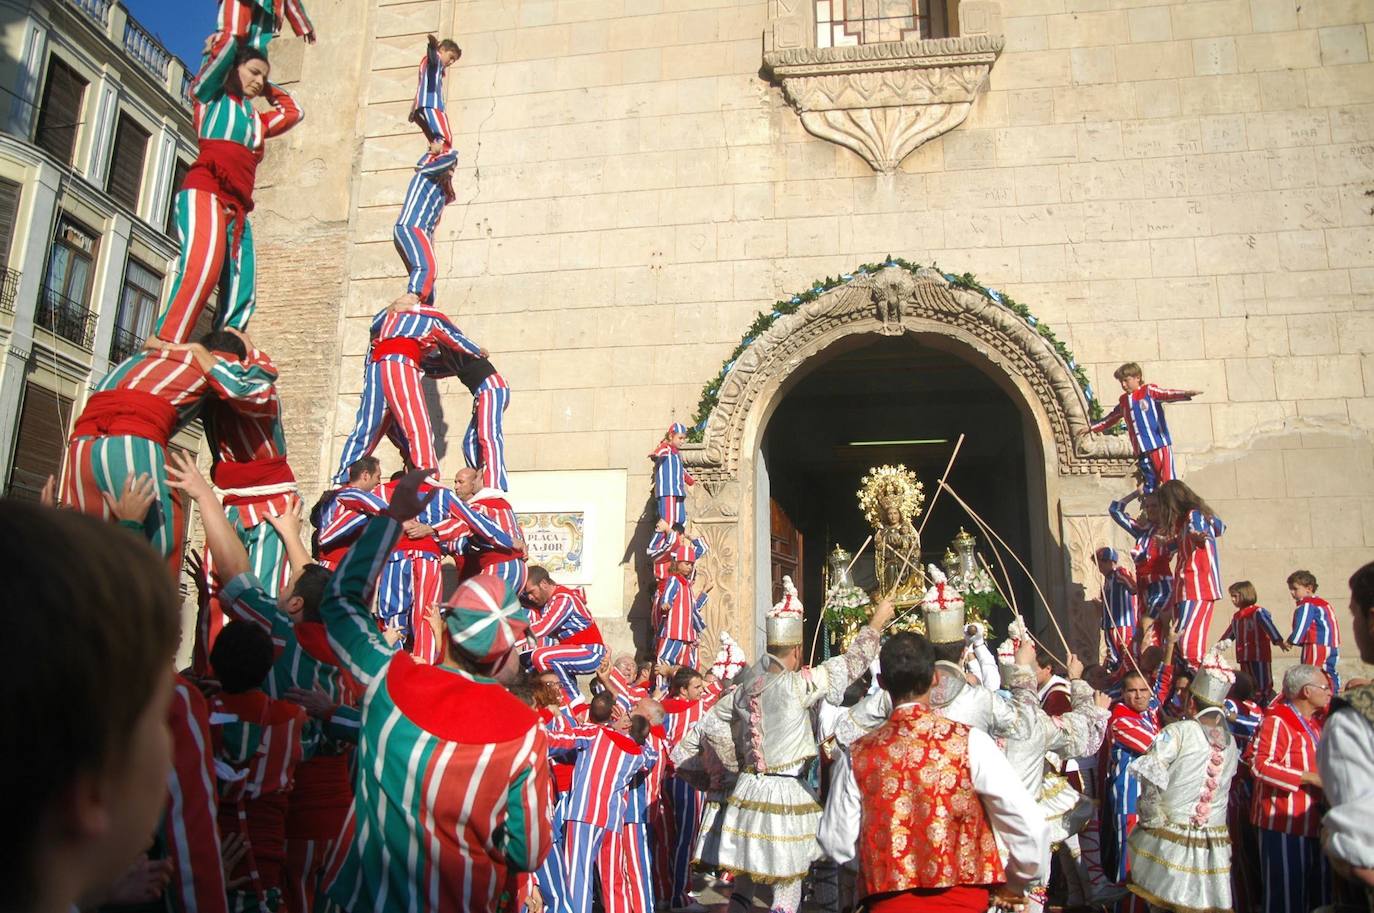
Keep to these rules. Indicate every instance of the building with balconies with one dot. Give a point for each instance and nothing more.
(96, 133)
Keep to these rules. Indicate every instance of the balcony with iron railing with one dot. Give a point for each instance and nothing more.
(65, 317)
(146, 49)
(124, 344)
(9, 289)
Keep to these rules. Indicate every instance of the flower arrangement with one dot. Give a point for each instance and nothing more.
(846, 607)
(981, 598)
(710, 394)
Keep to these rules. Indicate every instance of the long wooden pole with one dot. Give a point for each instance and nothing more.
(939, 485)
(992, 532)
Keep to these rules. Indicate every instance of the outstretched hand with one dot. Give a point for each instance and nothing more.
(184, 475)
(406, 502)
(882, 614)
(133, 503)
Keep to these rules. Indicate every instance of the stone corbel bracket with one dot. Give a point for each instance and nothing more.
(884, 100)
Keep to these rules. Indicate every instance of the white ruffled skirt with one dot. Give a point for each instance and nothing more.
(1066, 809)
(767, 829)
(1182, 867)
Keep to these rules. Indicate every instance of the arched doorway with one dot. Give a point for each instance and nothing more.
(906, 399)
(1064, 490)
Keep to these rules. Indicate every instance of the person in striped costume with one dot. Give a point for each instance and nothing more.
(1141, 407)
(258, 739)
(305, 671)
(1244, 714)
(87, 751)
(492, 543)
(680, 613)
(131, 415)
(429, 191)
(256, 22)
(339, 515)
(189, 826)
(635, 866)
(458, 794)
(211, 209)
(1152, 554)
(569, 641)
(1119, 608)
(427, 110)
(1134, 723)
(671, 480)
(392, 401)
(606, 762)
(1314, 627)
(690, 699)
(1197, 573)
(484, 441)
(1253, 630)
(1286, 808)
(670, 544)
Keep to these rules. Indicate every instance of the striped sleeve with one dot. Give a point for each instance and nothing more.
(482, 526)
(1304, 617)
(249, 387)
(1132, 734)
(209, 82)
(1167, 394)
(244, 599)
(1108, 420)
(1269, 750)
(344, 724)
(352, 633)
(529, 801)
(293, 11)
(1266, 623)
(192, 834)
(447, 334)
(285, 113)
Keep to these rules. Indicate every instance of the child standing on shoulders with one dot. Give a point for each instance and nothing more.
(1253, 630)
(671, 479)
(428, 110)
(1141, 407)
(1314, 627)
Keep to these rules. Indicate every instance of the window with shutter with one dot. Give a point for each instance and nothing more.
(138, 304)
(9, 211)
(178, 178)
(126, 164)
(60, 113)
(40, 443)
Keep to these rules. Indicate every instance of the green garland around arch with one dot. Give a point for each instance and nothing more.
(711, 392)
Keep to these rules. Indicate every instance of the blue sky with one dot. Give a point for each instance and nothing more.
(181, 25)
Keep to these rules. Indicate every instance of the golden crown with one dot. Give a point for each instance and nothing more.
(890, 486)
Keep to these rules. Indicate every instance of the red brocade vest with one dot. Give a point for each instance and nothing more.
(923, 825)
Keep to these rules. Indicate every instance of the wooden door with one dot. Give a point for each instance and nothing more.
(785, 549)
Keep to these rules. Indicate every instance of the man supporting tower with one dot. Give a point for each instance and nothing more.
(570, 643)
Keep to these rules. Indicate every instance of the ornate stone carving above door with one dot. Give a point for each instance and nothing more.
(881, 100)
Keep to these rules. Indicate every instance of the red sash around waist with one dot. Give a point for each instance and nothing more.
(228, 170)
(410, 348)
(252, 473)
(427, 544)
(586, 637)
(127, 412)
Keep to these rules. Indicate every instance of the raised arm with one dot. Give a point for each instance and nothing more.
(352, 632)
(355, 506)
(285, 113)
(215, 66)
(481, 526)
(231, 559)
(1130, 524)
(293, 11)
(448, 335)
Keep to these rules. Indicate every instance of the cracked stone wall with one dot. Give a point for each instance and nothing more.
(1186, 184)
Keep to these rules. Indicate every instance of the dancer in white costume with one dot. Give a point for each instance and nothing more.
(768, 825)
(1181, 849)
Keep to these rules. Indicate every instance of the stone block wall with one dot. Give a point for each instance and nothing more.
(1186, 184)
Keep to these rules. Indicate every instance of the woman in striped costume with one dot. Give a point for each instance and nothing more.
(212, 207)
(453, 796)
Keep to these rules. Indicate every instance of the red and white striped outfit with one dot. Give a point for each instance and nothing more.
(189, 823)
(570, 641)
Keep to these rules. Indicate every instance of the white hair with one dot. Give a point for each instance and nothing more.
(1299, 677)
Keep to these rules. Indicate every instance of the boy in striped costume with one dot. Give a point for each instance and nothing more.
(1152, 555)
(429, 191)
(484, 442)
(428, 108)
(457, 793)
(490, 540)
(1141, 407)
(1314, 627)
(1254, 633)
(211, 209)
(338, 516)
(680, 614)
(671, 480)
(259, 739)
(606, 762)
(392, 398)
(1288, 794)
(569, 641)
(1119, 608)
(130, 417)
(257, 22)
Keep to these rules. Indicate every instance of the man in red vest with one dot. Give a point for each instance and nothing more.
(927, 839)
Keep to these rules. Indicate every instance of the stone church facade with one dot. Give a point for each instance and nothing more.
(1189, 185)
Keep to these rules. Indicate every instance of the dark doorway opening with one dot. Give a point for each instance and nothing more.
(845, 417)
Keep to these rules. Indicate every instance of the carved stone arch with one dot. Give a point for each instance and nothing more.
(892, 302)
